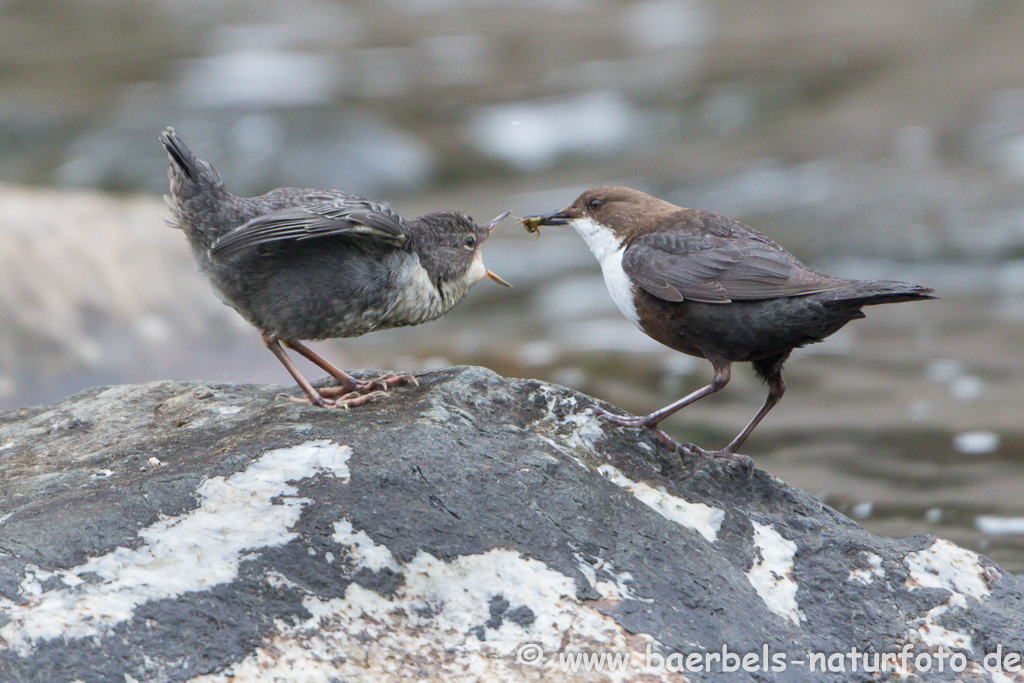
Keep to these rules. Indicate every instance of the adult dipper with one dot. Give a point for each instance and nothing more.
(313, 264)
(713, 288)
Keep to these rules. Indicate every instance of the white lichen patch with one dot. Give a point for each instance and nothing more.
(578, 430)
(237, 515)
(362, 550)
(928, 631)
(867, 575)
(703, 519)
(613, 585)
(998, 676)
(440, 624)
(772, 574)
(945, 565)
(585, 427)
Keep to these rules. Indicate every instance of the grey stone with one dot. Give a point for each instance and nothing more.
(208, 532)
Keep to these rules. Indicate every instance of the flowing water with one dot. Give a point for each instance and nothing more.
(847, 141)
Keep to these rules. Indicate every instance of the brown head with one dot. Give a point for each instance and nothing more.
(606, 217)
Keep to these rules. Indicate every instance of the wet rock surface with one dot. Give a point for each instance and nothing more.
(208, 532)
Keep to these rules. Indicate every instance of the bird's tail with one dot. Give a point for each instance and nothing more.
(186, 168)
(871, 292)
(196, 189)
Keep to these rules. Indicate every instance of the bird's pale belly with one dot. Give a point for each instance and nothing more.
(331, 299)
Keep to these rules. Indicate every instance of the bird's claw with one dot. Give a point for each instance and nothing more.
(352, 393)
(355, 398)
(608, 416)
(385, 382)
(744, 461)
(345, 401)
(633, 422)
(393, 379)
(379, 384)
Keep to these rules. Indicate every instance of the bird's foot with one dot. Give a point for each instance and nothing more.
(352, 393)
(635, 422)
(744, 461)
(355, 398)
(621, 420)
(345, 401)
(687, 449)
(366, 386)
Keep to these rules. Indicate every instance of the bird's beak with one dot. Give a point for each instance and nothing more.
(557, 218)
(494, 277)
(533, 223)
(491, 225)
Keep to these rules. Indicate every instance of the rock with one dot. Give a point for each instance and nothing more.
(471, 528)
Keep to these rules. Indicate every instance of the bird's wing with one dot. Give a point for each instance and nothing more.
(714, 268)
(317, 216)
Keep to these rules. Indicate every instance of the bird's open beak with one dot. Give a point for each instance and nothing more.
(533, 223)
(492, 224)
(497, 279)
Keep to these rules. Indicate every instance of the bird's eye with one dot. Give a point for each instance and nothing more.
(596, 203)
(469, 242)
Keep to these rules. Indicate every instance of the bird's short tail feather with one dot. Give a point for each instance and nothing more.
(197, 193)
(187, 166)
(871, 292)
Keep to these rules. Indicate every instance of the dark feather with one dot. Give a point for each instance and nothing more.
(187, 163)
(320, 215)
(718, 268)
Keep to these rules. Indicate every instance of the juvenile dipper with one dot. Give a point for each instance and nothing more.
(313, 264)
(713, 288)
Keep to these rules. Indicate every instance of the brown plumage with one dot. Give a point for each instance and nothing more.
(714, 288)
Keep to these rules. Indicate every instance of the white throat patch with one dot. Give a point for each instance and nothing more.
(605, 246)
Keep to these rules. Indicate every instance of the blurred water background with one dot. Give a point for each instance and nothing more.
(878, 138)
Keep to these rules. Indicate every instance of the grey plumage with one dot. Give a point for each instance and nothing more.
(707, 257)
(314, 264)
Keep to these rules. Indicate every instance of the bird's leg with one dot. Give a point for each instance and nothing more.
(776, 388)
(723, 372)
(350, 387)
(346, 399)
(271, 341)
(348, 382)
